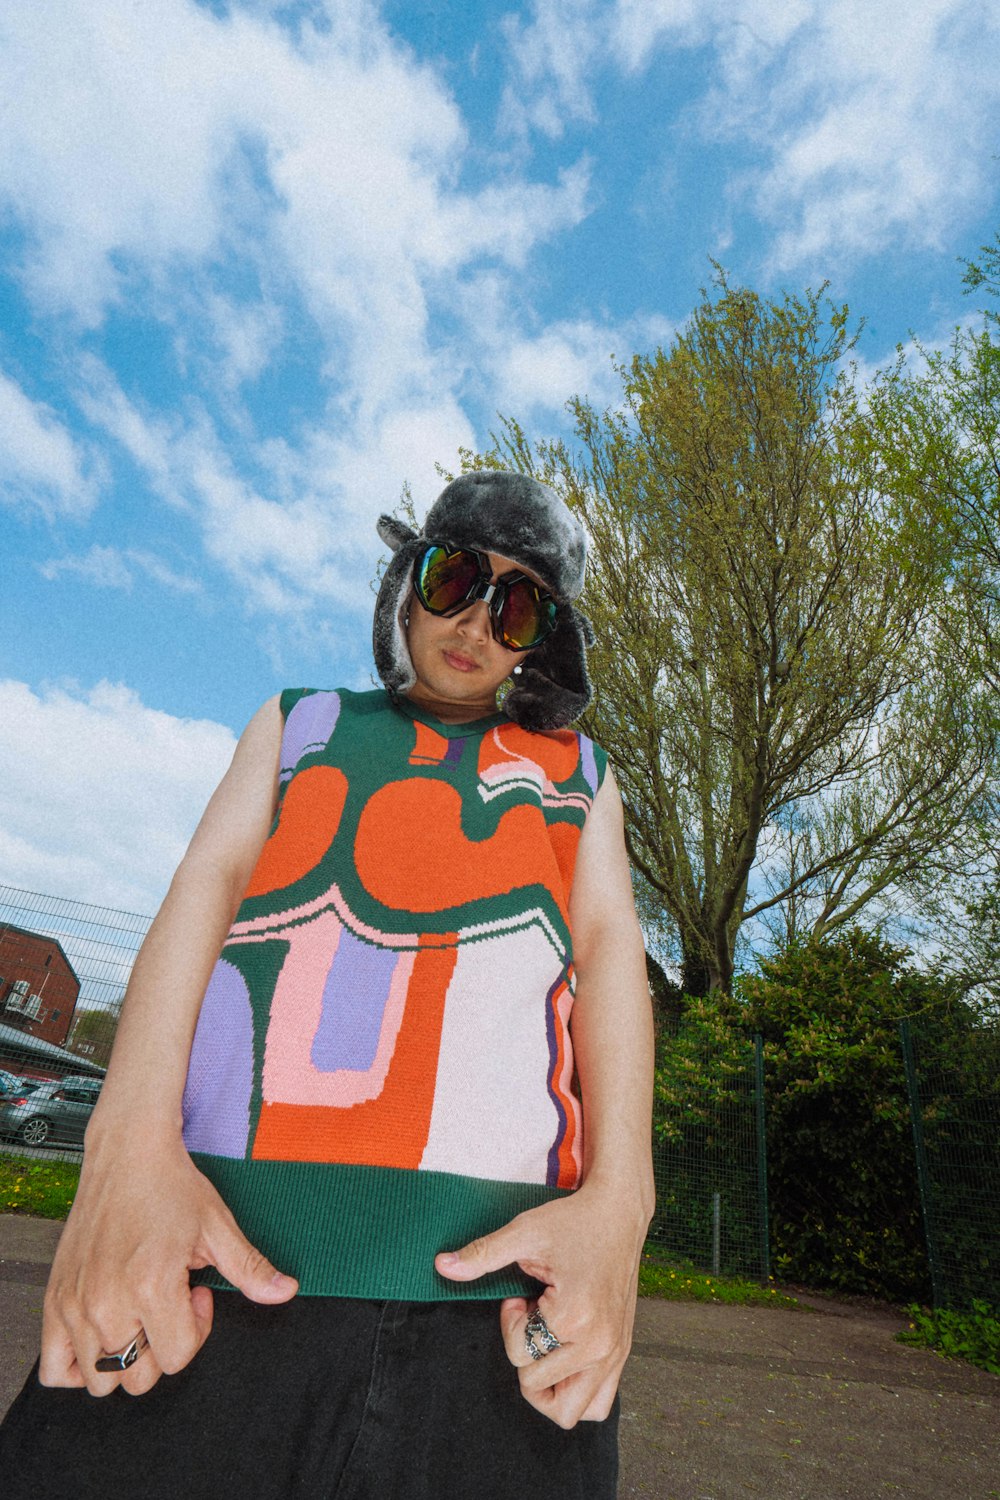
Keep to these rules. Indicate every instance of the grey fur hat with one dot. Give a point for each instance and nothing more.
(498, 510)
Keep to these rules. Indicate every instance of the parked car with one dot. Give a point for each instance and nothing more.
(58, 1110)
(14, 1083)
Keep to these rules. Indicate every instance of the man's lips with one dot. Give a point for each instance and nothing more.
(460, 662)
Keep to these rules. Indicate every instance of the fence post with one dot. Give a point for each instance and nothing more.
(765, 1243)
(923, 1177)
(716, 1233)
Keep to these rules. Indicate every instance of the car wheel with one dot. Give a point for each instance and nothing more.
(35, 1132)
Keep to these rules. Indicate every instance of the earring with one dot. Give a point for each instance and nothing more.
(517, 670)
(406, 619)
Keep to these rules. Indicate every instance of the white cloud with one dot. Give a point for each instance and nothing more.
(553, 55)
(108, 821)
(568, 359)
(145, 146)
(128, 145)
(284, 553)
(311, 539)
(871, 124)
(40, 464)
(879, 128)
(244, 336)
(115, 568)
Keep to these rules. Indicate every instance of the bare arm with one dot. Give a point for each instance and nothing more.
(144, 1216)
(586, 1247)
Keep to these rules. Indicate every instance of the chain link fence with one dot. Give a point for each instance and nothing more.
(709, 1154)
(955, 1108)
(64, 966)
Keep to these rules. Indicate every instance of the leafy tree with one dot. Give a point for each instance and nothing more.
(790, 730)
(935, 427)
(94, 1032)
(936, 424)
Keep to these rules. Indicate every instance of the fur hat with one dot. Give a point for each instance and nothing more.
(497, 510)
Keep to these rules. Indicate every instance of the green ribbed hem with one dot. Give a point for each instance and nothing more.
(350, 1231)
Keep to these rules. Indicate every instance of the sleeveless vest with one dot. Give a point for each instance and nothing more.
(382, 1066)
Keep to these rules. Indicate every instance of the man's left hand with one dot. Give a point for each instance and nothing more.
(585, 1248)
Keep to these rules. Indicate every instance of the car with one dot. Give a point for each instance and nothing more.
(16, 1083)
(57, 1110)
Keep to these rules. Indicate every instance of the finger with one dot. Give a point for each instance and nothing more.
(87, 1345)
(599, 1407)
(177, 1326)
(565, 1401)
(586, 1396)
(249, 1271)
(491, 1252)
(58, 1363)
(143, 1375)
(513, 1317)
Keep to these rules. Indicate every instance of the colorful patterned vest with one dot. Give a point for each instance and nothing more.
(382, 1066)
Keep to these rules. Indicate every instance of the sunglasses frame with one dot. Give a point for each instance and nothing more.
(493, 594)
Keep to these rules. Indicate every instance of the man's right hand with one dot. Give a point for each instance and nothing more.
(142, 1220)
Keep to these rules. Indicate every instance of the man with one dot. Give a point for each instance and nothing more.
(413, 1089)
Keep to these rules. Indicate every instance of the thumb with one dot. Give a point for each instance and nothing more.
(491, 1252)
(249, 1271)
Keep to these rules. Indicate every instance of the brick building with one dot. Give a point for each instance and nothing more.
(38, 986)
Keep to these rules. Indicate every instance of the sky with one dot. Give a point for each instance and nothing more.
(262, 265)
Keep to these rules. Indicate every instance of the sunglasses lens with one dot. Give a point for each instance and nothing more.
(526, 619)
(443, 579)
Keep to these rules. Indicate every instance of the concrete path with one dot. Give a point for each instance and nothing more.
(721, 1403)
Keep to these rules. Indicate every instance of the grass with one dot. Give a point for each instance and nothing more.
(660, 1276)
(43, 1188)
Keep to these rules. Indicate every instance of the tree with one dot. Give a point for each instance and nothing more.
(935, 423)
(94, 1032)
(774, 686)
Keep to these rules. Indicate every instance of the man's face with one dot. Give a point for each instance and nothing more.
(457, 660)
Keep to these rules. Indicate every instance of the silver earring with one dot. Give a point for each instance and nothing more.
(517, 670)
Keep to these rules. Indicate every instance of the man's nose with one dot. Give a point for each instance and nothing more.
(475, 622)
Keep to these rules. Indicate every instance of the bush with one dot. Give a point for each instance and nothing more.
(973, 1335)
(705, 1145)
(844, 1200)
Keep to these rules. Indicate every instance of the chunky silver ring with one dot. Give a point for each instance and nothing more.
(124, 1358)
(536, 1327)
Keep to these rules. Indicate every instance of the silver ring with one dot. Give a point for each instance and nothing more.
(123, 1359)
(536, 1327)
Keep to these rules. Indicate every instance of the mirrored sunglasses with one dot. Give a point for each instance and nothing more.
(449, 579)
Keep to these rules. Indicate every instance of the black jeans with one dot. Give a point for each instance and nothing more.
(324, 1398)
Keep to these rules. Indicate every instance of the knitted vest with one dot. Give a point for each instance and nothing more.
(382, 1066)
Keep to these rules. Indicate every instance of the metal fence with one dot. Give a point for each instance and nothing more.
(955, 1109)
(81, 955)
(709, 1154)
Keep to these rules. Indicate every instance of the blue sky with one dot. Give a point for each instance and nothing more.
(261, 264)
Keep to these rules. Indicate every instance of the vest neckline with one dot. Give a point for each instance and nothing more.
(468, 730)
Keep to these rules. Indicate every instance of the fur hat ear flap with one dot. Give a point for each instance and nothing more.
(392, 654)
(394, 532)
(553, 687)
